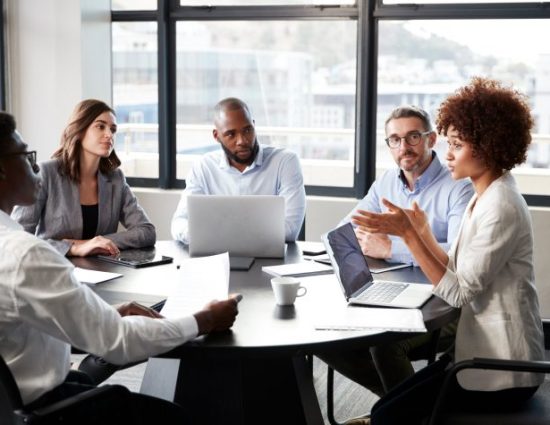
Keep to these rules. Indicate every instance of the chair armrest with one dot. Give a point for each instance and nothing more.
(487, 364)
(93, 406)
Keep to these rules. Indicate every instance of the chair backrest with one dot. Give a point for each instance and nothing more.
(10, 398)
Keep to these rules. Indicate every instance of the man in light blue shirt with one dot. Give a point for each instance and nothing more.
(244, 167)
(420, 177)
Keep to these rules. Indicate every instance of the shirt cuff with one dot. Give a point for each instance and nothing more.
(189, 326)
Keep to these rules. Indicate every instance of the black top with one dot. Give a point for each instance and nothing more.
(89, 221)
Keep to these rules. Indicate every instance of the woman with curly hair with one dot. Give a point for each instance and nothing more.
(488, 271)
(84, 194)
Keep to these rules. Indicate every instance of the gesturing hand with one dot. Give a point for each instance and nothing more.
(395, 221)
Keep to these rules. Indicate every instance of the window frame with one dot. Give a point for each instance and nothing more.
(367, 13)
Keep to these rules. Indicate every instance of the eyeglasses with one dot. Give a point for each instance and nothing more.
(31, 156)
(412, 138)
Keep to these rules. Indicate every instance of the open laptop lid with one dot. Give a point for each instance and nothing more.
(348, 261)
(243, 225)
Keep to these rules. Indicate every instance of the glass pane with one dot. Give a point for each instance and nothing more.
(421, 62)
(135, 97)
(133, 4)
(298, 79)
(262, 2)
(457, 1)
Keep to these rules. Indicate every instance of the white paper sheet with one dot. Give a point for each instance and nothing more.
(297, 269)
(200, 280)
(92, 277)
(364, 318)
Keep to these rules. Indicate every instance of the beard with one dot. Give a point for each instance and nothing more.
(236, 158)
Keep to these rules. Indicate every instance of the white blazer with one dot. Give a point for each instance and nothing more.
(490, 275)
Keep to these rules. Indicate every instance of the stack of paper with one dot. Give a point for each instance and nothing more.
(196, 288)
(298, 269)
(92, 277)
(363, 318)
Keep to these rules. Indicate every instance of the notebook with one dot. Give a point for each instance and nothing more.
(245, 225)
(358, 285)
(143, 257)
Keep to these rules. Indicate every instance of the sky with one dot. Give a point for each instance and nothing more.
(517, 39)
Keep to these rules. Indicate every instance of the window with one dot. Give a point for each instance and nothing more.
(297, 77)
(320, 77)
(435, 57)
(135, 97)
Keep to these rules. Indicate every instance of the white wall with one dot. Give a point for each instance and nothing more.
(58, 54)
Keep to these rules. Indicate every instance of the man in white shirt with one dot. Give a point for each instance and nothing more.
(45, 309)
(244, 167)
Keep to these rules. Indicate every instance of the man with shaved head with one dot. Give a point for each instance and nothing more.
(243, 167)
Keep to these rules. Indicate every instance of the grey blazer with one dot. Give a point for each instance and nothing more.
(57, 214)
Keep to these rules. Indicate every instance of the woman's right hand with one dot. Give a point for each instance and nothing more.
(94, 246)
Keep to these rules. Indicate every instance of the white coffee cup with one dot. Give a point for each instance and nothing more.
(286, 289)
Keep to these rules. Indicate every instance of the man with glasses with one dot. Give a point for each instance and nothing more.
(419, 177)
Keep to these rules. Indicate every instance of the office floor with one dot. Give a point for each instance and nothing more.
(351, 400)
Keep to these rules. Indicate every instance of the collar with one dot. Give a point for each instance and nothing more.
(224, 162)
(7, 221)
(426, 177)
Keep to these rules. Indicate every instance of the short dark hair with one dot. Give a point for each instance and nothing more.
(230, 104)
(495, 119)
(7, 127)
(68, 153)
(410, 111)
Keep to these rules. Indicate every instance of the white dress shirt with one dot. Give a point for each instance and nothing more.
(275, 171)
(490, 275)
(45, 310)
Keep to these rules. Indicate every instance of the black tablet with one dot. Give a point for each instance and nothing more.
(144, 257)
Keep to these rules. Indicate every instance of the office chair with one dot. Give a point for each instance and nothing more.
(427, 352)
(535, 411)
(107, 405)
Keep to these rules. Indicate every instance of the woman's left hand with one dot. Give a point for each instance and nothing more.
(394, 222)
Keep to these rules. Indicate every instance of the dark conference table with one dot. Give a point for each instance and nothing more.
(258, 371)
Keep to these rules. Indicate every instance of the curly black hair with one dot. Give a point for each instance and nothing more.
(495, 119)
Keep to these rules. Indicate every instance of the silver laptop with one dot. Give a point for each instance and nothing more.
(352, 271)
(248, 226)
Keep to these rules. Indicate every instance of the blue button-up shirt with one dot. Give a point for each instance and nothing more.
(275, 171)
(443, 199)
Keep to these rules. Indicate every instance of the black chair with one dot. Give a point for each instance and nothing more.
(427, 352)
(535, 411)
(106, 405)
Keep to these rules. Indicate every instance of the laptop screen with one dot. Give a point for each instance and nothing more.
(348, 260)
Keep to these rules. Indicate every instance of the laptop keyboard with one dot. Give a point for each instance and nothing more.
(382, 292)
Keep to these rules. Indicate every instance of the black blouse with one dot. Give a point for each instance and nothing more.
(89, 221)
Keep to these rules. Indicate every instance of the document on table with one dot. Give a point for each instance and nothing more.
(200, 280)
(364, 318)
(298, 269)
(92, 277)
